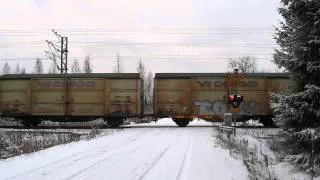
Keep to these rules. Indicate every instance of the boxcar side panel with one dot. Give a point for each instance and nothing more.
(208, 96)
(123, 97)
(173, 97)
(14, 96)
(48, 97)
(85, 97)
(95, 95)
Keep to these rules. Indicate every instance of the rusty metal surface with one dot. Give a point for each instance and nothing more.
(73, 75)
(207, 97)
(14, 96)
(48, 109)
(123, 97)
(71, 96)
(210, 75)
(173, 97)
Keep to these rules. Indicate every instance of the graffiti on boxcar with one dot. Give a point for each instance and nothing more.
(122, 104)
(250, 107)
(204, 84)
(209, 84)
(62, 84)
(80, 84)
(208, 107)
(172, 109)
(10, 108)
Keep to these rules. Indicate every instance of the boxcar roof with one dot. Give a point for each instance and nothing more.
(73, 75)
(190, 75)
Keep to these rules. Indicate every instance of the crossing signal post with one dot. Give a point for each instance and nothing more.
(235, 99)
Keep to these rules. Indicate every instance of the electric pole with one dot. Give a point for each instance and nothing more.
(59, 52)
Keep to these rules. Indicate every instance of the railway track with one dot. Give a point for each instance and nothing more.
(121, 127)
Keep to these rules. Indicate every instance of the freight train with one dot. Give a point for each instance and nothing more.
(31, 98)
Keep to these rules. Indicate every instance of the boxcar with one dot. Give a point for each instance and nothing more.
(184, 96)
(72, 97)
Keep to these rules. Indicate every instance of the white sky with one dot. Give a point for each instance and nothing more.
(168, 35)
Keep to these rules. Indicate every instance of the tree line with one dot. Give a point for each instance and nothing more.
(53, 69)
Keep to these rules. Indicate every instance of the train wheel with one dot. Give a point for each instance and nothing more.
(182, 122)
(35, 122)
(114, 122)
(30, 122)
(25, 122)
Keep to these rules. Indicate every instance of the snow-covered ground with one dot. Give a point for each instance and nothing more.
(164, 122)
(132, 153)
(281, 170)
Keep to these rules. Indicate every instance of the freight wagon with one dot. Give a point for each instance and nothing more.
(184, 96)
(72, 97)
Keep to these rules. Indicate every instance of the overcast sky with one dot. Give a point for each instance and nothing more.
(168, 35)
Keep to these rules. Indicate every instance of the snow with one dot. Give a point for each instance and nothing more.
(285, 170)
(281, 170)
(132, 153)
(168, 122)
(260, 148)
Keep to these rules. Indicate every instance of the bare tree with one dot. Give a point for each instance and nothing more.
(17, 70)
(87, 65)
(245, 64)
(142, 72)
(23, 71)
(141, 69)
(118, 67)
(148, 91)
(38, 67)
(6, 68)
(75, 68)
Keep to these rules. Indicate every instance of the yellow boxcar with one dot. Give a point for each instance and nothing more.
(71, 97)
(184, 96)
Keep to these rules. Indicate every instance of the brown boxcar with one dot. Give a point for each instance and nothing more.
(184, 96)
(71, 97)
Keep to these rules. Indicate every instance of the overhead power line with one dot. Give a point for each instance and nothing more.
(59, 51)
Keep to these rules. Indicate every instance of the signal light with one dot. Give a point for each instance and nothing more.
(235, 100)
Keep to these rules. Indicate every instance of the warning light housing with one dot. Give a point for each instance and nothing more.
(235, 100)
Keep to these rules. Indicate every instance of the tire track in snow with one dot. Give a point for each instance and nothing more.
(172, 163)
(158, 158)
(155, 162)
(184, 158)
(110, 155)
(127, 140)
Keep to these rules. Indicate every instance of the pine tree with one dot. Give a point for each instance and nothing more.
(299, 39)
(298, 114)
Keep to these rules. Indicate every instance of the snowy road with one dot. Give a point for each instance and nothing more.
(133, 153)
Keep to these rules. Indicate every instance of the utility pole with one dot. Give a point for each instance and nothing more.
(59, 52)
